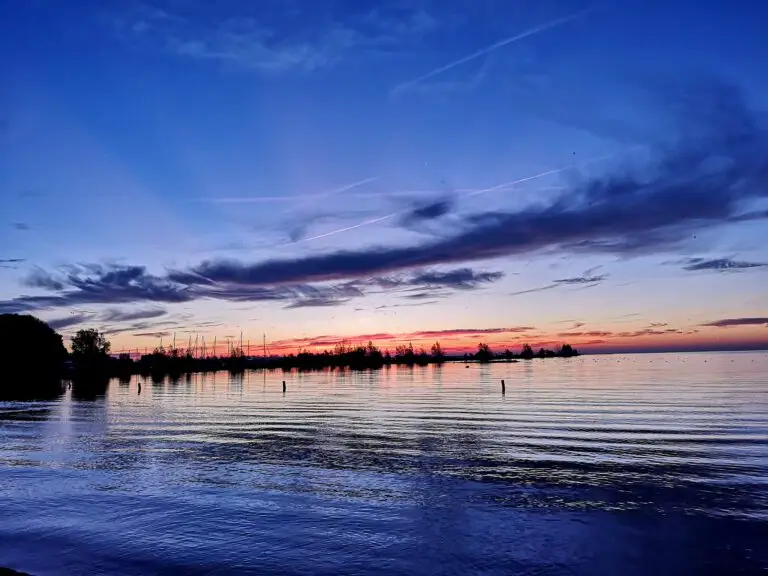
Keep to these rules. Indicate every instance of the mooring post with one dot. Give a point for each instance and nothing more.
(283, 386)
(503, 387)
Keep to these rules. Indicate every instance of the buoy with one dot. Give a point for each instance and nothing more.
(503, 387)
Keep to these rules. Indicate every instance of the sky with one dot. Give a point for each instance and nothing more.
(303, 173)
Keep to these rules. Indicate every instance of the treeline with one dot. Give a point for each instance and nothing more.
(485, 354)
(36, 353)
(172, 361)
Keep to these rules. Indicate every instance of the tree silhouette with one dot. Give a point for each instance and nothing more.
(90, 356)
(90, 344)
(527, 352)
(484, 353)
(437, 352)
(566, 351)
(36, 354)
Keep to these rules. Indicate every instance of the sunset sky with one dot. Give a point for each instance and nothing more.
(506, 172)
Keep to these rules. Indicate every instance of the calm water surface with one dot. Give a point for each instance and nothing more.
(648, 464)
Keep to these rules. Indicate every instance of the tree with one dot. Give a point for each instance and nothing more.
(437, 352)
(35, 355)
(566, 351)
(527, 352)
(89, 344)
(484, 353)
(405, 354)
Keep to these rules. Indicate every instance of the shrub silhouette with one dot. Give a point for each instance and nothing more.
(437, 352)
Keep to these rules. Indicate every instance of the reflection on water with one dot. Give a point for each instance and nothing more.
(594, 465)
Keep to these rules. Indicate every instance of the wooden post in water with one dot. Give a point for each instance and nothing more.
(503, 387)
(283, 386)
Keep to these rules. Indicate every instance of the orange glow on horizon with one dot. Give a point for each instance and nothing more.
(460, 341)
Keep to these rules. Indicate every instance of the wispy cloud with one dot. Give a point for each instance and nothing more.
(425, 295)
(587, 280)
(317, 302)
(652, 332)
(588, 277)
(459, 332)
(10, 263)
(39, 278)
(616, 213)
(272, 39)
(116, 315)
(21, 226)
(456, 279)
(730, 322)
(67, 321)
(424, 211)
(720, 265)
(408, 305)
(161, 334)
(592, 333)
(533, 290)
(143, 326)
(709, 178)
(322, 297)
(483, 51)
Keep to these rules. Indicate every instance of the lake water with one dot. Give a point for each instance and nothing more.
(646, 464)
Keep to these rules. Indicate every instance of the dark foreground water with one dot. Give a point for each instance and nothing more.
(595, 465)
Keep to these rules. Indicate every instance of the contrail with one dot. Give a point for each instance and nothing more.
(300, 198)
(499, 187)
(344, 188)
(487, 49)
(354, 226)
(308, 201)
(542, 174)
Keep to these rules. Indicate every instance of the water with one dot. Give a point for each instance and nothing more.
(647, 464)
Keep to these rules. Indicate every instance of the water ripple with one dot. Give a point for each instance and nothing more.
(420, 470)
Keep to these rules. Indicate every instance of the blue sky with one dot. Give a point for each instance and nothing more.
(321, 170)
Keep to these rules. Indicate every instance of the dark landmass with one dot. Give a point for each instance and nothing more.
(36, 354)
(10, 572)
(171, 362)
(32, 355)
